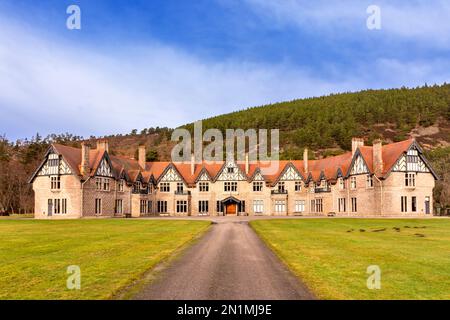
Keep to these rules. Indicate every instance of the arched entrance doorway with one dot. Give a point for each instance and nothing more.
(231, 206)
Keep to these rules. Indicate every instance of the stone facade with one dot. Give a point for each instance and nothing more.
(391, 180)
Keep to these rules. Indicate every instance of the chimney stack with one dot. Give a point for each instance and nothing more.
(356, 143)
(103, 144)
(142, 157)
(377, 157)
(305, 160)
(247, 164)
(85, 170)
(192, 164)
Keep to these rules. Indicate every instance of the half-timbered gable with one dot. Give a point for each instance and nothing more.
(257, 176)
(203, 176)
(54, 165)
(230, 172)
(104, 168)
(171, 175)
(290, 173)
(358, 165)
(411, 161)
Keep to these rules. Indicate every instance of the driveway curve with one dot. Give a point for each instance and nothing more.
(230, 262)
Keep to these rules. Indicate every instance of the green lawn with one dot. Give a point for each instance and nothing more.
(332, 255)
(111, 253)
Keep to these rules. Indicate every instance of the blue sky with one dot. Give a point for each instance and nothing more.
(136, 64)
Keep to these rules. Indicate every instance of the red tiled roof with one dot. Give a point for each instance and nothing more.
(328, 166)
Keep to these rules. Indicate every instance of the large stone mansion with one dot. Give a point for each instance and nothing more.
(389, 180)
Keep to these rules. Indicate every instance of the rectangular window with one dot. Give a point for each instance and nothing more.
(353, 182)
(55, 183)
(281, 187)
(342, 205)
(98, 183)
(180, 187)
(230, 186)
(203, 207)
(57, 206)
(298, 186)
(242, 206)
(64, 206)
(369, 181)
(181, 206)
(354, 205)
(319, 205)
(280, 206)
(120, 185)
(258, 206)
(257, 186)
(299, 205)
(404, 204)
(106, 184)
(341, 183)
(413, 204)
(98, 206)
(203, 186)
(143, 207)
(219, 206)
(161, 206)
(410, 179)
(313, 205)
(230, 170)
(119, 206)
(164, 187)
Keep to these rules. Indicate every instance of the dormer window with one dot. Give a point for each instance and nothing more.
(353, 182)
(369, 181)
(137, 187)
(341, 183)
(120, 185)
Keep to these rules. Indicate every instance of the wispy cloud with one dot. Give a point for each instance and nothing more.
(420, 20)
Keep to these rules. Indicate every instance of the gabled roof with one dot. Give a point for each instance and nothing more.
(327, 168)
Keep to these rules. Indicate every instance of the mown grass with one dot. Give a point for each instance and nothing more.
(332, 255)
(111, 253)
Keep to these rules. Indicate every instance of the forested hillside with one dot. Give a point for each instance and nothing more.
(325, 125)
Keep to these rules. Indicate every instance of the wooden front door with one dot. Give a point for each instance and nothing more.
(231, 208)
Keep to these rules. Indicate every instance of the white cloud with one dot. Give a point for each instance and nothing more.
(51, 85)
(421, 20)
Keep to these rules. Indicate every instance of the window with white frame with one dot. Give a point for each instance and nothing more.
(404, 203)
(118, 206)
(298, 186)
(106, 184)
(164, 187)
(410, 179)
(353, 182)
(181, 206)
(203, 206)
(120, 184)
(56, 206)
(319, 205)
(161, 206)
(313, 205)
(258, 206)
(98, 206)
(369, 181)
(280, 206)
(98, 183)
(354, 204)
(257, 186)
(203, 186)
(64, 206)
(281, 187)
(299, 205)
(414, 204)
(342, 204)
(55, 182)
(230, 186)
(143, 207)
(341, 183)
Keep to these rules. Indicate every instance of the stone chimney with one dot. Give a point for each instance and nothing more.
(103, 144)
(247, 164)
(142, 157)
(377, 157)
(192, 164)
(85, 170)
(305, 160)
(356, 143)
